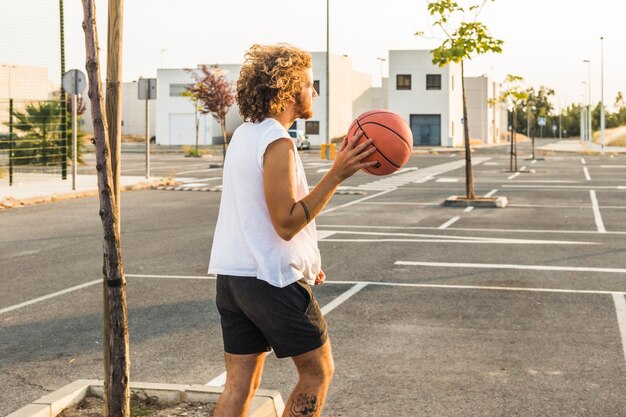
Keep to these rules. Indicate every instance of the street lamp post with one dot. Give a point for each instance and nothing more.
(381, 69)
(10, 67)
(585, 131)
(602, 92)
(589, 129)
(327, 71)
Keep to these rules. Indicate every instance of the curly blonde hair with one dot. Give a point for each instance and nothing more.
(270, 75)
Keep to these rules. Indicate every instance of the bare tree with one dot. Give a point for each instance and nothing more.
(117, 395)
(214, 94)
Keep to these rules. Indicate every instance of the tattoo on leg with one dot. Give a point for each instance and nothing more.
(304, 405)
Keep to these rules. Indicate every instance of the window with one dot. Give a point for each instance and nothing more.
(312, 128)
(316, 85)
(433, 81)
(177, 90)
(403, 81)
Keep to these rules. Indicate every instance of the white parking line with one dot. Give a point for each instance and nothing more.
(534, 161)
(357, 201)
(596, 212)
(583, 161)
(466, 229)
(449, 222)
(468, 209)
(513, 266)
(47, 297)
(586, 172)
(513, 176)
(620, 310)
(417, 237)
(220, 380)
(199, 170)
(492, 192)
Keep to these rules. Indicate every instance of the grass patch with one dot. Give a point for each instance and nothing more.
(191, 151)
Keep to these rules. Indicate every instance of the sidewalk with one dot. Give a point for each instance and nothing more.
(580, 146)
(41, 188)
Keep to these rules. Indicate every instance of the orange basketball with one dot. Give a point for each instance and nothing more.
(392, 137)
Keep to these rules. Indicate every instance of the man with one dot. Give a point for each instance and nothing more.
(265, 250)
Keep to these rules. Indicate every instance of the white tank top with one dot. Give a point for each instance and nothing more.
(245, 241)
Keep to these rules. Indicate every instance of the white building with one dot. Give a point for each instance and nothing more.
(351, 94)
(133, 112)
(427, 96)
(487, 118)
(175, 114)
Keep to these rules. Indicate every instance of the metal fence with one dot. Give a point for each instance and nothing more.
(33, 138)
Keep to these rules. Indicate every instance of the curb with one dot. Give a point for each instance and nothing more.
(478, 202)
(266, 403)
(10, 202)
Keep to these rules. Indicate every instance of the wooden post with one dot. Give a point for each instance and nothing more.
(114, 122)
(114, 89)
(117, 397)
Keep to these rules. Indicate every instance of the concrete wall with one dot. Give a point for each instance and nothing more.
(446, 102)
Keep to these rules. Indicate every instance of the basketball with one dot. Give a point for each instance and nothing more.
(392, 137)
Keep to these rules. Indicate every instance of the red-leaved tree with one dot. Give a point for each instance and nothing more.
(214, 94)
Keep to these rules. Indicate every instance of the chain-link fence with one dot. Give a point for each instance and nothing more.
(33, 138)
(33, 128)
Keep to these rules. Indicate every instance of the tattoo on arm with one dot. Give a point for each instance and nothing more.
(304, 405)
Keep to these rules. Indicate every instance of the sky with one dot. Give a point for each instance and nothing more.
(545, 41)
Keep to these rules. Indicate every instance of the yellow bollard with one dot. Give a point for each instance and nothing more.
(328, 150)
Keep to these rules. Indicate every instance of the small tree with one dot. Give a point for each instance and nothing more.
(196, 108)
(214, 94)
(469, 38)
(513, 97)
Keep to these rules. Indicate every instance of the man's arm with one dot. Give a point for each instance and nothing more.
(288, 214)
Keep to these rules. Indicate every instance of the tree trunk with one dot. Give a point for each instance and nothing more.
(117, 403)
(223, 125)
(197, 125)
(469, 173)
(513, 115)
(514, 142)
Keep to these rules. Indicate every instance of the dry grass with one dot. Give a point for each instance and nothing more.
(613, 137)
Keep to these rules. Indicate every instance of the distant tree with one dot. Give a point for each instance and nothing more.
(512, 95)
(214, 94)
(461, 43)
(620, 106)
(196, 109)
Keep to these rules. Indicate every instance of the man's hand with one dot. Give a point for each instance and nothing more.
(320, 278)
(348, 158)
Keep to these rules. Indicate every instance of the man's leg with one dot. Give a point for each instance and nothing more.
(315, 370)
(243, 377)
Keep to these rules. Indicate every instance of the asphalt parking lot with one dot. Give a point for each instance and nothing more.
(432, 311)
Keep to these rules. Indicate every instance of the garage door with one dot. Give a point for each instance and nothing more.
(426, 129)
(182, 129)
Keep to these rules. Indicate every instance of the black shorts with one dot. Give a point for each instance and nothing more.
(257, 317)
